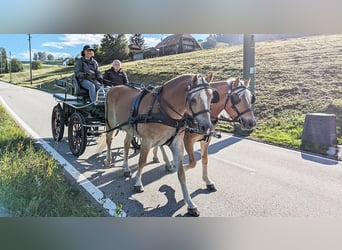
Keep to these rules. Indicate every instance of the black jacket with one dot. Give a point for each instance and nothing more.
(87, 69)
(115, 78)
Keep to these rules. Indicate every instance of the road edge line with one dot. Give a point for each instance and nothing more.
(96, 193)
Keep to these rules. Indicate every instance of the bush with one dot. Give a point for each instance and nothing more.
(37, 65)
(16, 66)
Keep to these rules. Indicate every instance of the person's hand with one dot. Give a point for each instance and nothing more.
(89, 76)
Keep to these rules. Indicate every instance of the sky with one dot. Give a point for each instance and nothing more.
(62, 45)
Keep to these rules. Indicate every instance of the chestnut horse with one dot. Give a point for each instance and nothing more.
(159, 116)
(234, 98)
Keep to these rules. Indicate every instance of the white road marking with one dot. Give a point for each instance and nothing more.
(96, 193)
(231, 163)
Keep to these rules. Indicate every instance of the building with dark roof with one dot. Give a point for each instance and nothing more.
(179, 43)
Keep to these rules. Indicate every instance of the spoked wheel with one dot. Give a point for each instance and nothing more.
(77, 134)
(136, 142)
(57, 122)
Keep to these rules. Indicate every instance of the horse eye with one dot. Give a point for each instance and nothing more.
(193, 101)
(235, 99)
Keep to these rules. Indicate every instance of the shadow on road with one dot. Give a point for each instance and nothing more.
(167, 210)
(221, 144)
(319, 159)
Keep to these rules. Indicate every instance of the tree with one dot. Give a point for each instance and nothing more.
(137, 39)
(3, 61)
(98, 53)
(16, 65)
(35, 56)
(113, 47)
(41, 56)
(50, 57)
(71, 61)
(210, 42)
(37, 65)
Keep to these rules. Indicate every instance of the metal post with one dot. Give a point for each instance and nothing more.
(249, 59)
(30, 58)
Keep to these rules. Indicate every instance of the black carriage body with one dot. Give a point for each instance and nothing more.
(82, 117)
(75, 111)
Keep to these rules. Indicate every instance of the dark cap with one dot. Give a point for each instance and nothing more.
(88, 47)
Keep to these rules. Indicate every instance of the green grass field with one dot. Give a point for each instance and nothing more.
(31, 181)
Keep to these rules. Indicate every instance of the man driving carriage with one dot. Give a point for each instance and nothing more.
(115, 75)
(88, 73)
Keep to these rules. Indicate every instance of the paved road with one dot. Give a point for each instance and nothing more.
(252, 179)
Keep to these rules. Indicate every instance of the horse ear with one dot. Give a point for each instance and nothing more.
(195, 80)
(209, 77)
(236, 82)
(247, 82)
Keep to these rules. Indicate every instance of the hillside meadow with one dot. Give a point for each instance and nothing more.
(293, 77)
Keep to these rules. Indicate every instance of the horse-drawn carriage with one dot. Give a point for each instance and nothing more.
(82, 117)
(182, 111)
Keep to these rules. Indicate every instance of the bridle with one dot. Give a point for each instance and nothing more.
(234, 96)
(191, 91)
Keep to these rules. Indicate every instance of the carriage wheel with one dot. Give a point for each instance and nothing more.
(57, 122)
(77, 134)
(136, 142)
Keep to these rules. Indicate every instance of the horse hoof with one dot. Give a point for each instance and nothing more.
(211, 188)
(139, 189)
(106, 163)
(193, 212)
(155, 160)
(127, 173)
(170, 169)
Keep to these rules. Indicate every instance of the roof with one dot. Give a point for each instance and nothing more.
(174, 39)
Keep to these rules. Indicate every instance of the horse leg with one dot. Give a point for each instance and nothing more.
(108, 159)
(127, 143)
(189, 148)
(170, 168)
(204, 157)
(178, 153)
(142, 162)
(155, 156)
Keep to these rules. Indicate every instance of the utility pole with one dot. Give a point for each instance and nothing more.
(10, 67)
(249, 59)
(29, 35)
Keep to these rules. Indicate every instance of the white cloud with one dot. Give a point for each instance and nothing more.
(151, 41)
(26, 55)
(71, 40)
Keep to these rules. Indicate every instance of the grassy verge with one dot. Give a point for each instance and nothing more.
(31, 181)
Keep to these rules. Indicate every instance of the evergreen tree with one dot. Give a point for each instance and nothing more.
(3, 61)
(137, 39)
(113, 47)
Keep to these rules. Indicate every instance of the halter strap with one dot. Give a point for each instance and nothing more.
(232, 91)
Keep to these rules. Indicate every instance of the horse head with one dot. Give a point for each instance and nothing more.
(239, 103)
(198, 99)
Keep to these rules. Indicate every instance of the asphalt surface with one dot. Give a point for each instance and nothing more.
(252, 179)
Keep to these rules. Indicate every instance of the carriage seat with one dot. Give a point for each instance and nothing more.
(77, 89)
